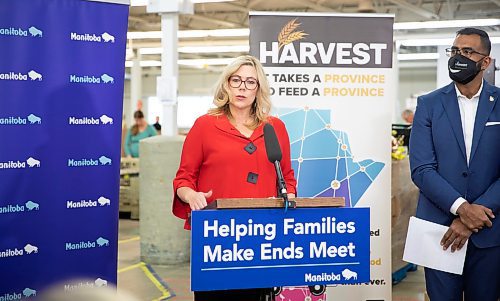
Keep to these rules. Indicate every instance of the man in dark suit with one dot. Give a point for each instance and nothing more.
(455, 162)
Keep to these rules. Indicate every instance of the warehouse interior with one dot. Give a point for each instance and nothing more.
(214, 33)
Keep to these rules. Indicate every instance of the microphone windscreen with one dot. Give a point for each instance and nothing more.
(273, 148)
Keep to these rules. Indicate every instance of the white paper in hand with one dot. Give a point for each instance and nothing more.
(423, 247)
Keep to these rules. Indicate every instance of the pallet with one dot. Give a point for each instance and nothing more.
(400, 274)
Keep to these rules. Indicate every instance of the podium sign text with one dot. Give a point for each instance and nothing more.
(259, 248)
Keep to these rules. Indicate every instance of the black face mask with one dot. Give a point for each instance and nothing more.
(462, 69)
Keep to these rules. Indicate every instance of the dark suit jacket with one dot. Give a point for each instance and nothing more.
(438, 160)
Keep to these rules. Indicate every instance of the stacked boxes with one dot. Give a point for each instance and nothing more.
(129, 186)
(404, 204)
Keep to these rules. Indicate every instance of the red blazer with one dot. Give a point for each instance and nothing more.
(214, 158)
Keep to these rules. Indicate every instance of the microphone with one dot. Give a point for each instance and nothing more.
(273, 148)
(274, 155)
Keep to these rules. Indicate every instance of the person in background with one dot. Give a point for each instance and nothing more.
(455, 162)
(224, 154)
(140, 130)
(157, 125)
(407, 116)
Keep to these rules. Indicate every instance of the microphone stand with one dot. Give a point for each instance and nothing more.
(282, 192)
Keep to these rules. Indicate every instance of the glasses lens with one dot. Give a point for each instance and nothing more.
(467, 51)
(235, 81)
(251, 84)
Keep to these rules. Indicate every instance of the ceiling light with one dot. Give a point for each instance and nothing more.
(145, 2)
(208, 1)
(138, 2)
(144, 63)
(417, 56)
(144, 35)
(200, 63)
(235, 32)
(446, 24)
(214, 49)
(426, 42)
(199, 49)
(205, 62)
(436, 42)
(151, 50)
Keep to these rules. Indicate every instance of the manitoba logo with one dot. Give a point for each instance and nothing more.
(30, 163)
(100, 202)
(28, 249)
(18, 76)
(98, 243)
(28, 206)
(288, 34)
(99, 282)
(91, 79)
(86, 37)
(18, 120)
(12, 31)
(102, 160)
(26, 293)
(104, 119)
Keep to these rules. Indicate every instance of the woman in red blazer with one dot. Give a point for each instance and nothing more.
(224, 154)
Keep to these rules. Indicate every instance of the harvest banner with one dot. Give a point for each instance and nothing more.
(333, 85)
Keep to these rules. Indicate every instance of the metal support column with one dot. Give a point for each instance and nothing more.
(135, 88)
(167, 83)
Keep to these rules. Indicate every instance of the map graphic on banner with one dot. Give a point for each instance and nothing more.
(315, 143)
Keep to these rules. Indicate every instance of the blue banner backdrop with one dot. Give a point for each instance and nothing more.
(61, 92)
(270, 247)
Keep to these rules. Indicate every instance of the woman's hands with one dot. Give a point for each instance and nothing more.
(197, 200)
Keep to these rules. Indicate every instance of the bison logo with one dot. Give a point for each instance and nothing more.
(104, 160)
(32, 205)
(107, 79)
(103, 201)
(106, 119)
(28, 292)
(30, 249)
(102, 242)
(32, 118)
(35, 32)
(32, 162)
(348, 274)
(100, 282)
(108, 38)
(35, 75)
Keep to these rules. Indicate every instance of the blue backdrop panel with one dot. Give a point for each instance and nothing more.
(269, 247)
(61, 92)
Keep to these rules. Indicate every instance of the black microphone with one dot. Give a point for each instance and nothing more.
(273, 148)
(274, 155)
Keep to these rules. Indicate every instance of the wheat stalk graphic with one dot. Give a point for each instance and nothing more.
(287, 34)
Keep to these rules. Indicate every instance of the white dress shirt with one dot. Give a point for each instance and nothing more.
(468, 109)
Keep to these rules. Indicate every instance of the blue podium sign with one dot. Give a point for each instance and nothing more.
(259, 248)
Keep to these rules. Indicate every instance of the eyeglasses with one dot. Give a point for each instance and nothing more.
(466, 51)
(235, 82)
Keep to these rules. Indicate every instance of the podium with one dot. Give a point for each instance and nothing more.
(254, 203)
(255, 243)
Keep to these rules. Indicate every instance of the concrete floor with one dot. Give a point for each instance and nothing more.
(157, 283)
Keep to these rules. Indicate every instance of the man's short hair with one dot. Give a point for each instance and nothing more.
(485, 39)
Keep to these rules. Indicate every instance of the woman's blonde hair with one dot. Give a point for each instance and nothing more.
(262, 104)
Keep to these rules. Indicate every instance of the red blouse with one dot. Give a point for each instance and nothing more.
(214, 158)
